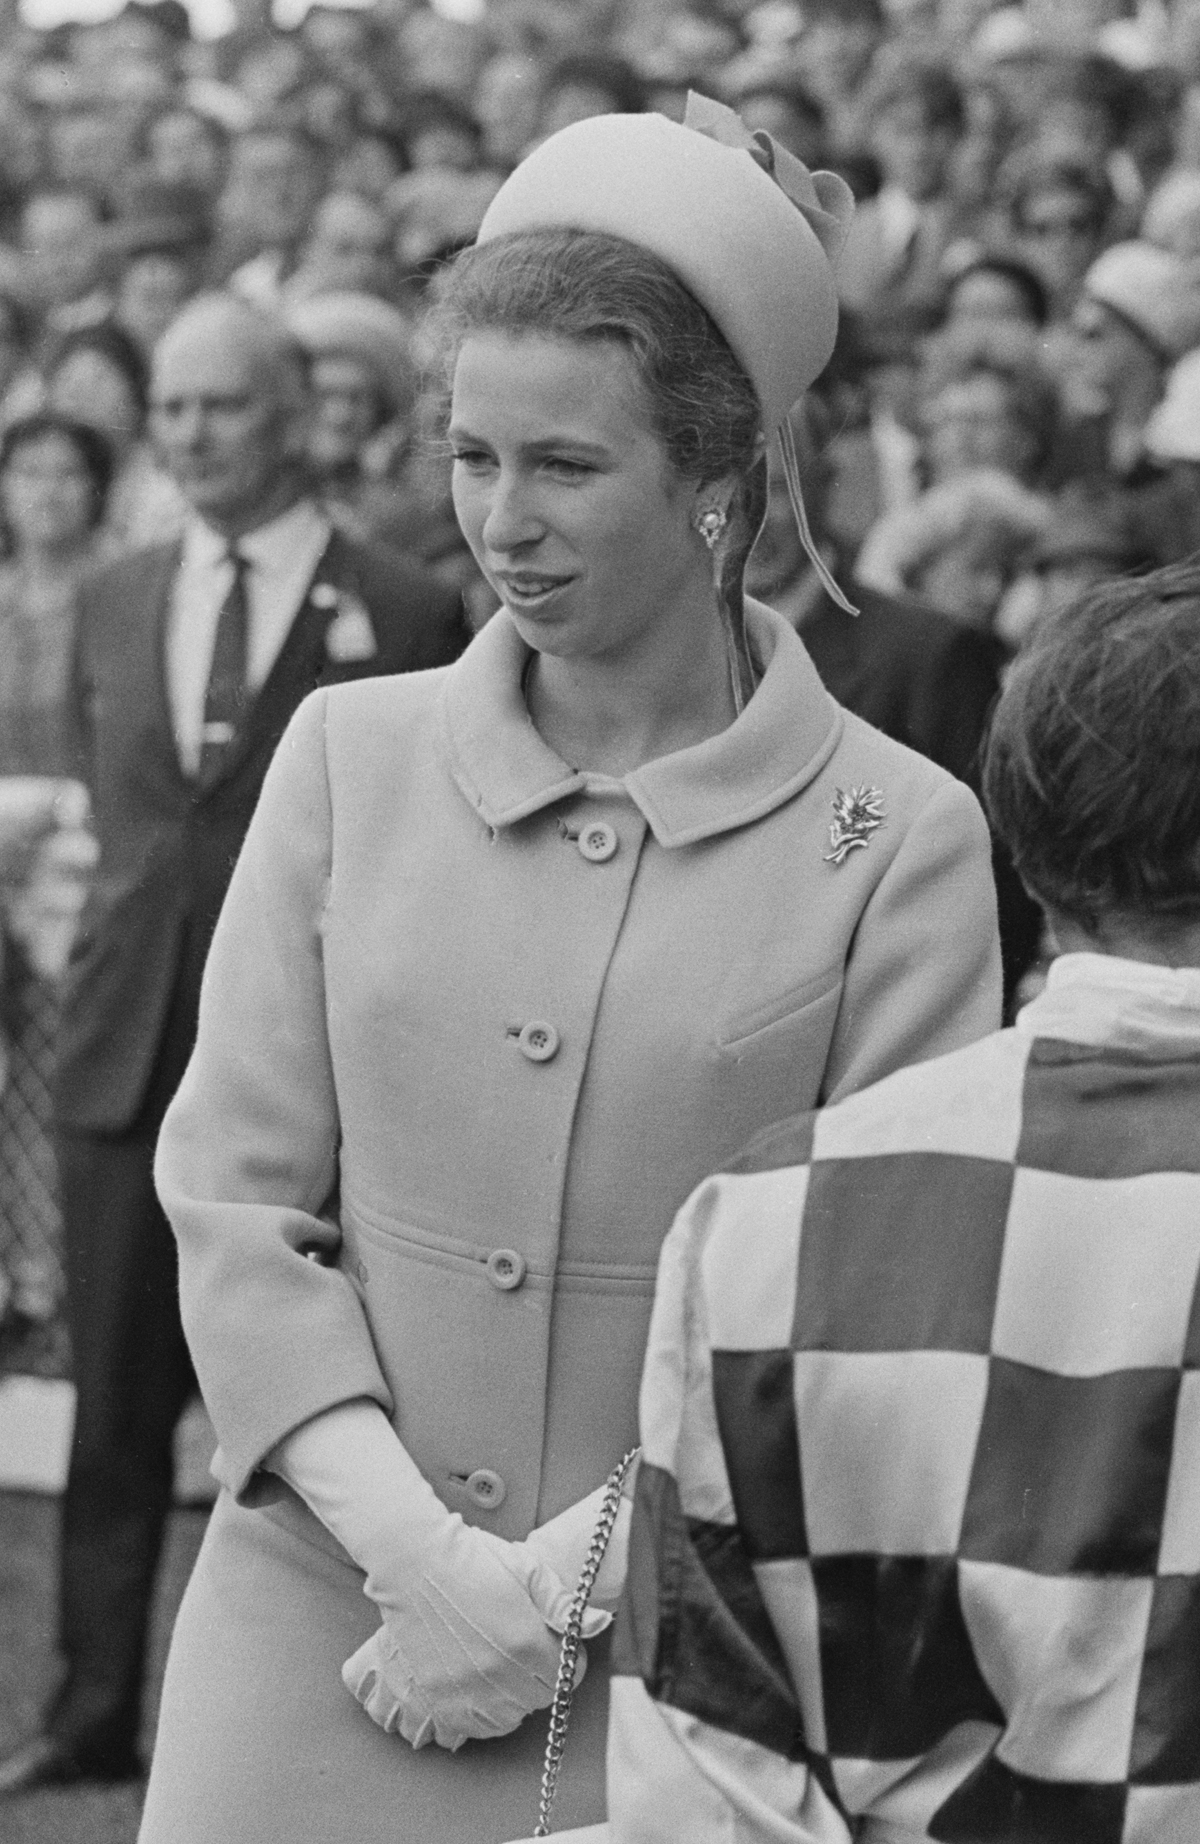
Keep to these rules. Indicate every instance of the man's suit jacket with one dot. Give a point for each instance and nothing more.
(930, 682)
(168, 842)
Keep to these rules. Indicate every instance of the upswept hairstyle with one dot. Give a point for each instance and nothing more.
(581, 285)
(1092, 770)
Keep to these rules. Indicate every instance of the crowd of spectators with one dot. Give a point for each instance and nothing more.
(1013, 410)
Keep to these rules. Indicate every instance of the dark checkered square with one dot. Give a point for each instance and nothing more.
(996, 1806)
(695, 1629)
(756, 1414)
(1108, 1115)
(1070, 1473)
(905, 1221)
(897, 1666)
(1166, 1732)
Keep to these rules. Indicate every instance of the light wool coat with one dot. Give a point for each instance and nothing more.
(415, 891)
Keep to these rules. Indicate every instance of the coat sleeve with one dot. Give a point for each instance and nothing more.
(923, 973)
(247, 1160)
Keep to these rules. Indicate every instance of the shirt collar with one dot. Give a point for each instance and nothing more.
(1104, 1000)
(785, 735)
(304, 526)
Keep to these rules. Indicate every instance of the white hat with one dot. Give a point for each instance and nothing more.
(1157, 291)
(1173, 431)
(749, 231)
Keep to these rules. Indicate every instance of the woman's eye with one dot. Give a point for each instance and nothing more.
(472, 458)
(567, 469)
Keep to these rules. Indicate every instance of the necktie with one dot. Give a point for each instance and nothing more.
(225, 698)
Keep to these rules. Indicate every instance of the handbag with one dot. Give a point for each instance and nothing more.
(568, 1658)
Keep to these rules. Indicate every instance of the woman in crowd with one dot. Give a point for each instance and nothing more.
(513, 955)
(54, 477)
(99, 376)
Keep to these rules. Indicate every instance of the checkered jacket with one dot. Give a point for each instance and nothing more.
(916, 1546)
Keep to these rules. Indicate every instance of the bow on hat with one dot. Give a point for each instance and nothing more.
(826, 203)
(824, 200)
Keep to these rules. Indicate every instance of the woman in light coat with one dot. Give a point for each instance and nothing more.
(514, 954)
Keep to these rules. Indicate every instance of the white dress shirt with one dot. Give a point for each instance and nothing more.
(283, 557)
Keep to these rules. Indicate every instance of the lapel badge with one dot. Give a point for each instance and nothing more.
(349, 636)
(856, 816)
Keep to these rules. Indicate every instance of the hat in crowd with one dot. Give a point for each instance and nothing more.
(749, 231)
(362, 327)
(1155, 290)
(1172, 215)
(1173, 431)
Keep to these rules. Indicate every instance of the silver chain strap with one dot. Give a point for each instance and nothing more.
(568, 1657)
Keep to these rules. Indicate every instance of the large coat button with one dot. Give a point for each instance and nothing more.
(486, 1489)
(538, 1041)
(505, 1269)
(598, 843)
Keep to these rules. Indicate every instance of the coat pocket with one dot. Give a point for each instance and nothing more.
(751, 1014)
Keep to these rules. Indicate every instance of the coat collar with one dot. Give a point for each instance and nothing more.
(782, 739)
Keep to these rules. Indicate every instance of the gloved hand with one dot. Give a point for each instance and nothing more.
(467, 1648)
(564, 1542)
(393, 1689)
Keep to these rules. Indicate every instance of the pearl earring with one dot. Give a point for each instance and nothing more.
(711, 525)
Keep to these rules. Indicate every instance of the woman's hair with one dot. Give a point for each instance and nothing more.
(1092, 770)
(580, 285)
(92, 448)
(113, 344)
(1024, 279)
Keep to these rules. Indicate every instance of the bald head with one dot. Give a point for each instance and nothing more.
(229, 408)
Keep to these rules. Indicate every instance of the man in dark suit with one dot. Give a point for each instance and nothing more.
(913, 672)
(191, 659)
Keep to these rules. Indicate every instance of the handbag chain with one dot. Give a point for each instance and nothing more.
(568, 1657)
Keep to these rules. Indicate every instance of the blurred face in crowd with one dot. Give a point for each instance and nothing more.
(368, 167)
(90, 389)
(989, 297)
(973, 423)
(1060, 236)
(968, 579)
(153, 287)
(349, 247)
(913, 151)
(347, 410)
(184, 150)
(1108, 366)
(836, 54)
(90, 147)
(229, 414)
(506, 106)
(61, 235)
(272, 187)
(443, 144)
(565, 494)
(46, 495)
(573, 102)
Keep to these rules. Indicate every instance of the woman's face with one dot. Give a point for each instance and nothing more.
(46, 493)
(565, 494)
(89, 389)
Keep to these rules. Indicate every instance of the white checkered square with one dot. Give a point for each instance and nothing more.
(1179, 1553)
(1063, 1655)
(935, 1107)
(886, 1445)
(1130, 1247)
(790, 1596)
(752, 1304)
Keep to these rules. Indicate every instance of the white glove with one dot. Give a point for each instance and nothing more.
(467, 1649)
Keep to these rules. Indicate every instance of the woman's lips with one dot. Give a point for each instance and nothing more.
(530, 588)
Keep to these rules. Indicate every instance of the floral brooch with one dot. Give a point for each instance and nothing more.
(856, 816)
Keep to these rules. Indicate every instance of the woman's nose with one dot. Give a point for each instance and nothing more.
(512, 519)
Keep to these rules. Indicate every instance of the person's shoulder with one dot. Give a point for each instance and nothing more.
(965, 1104)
